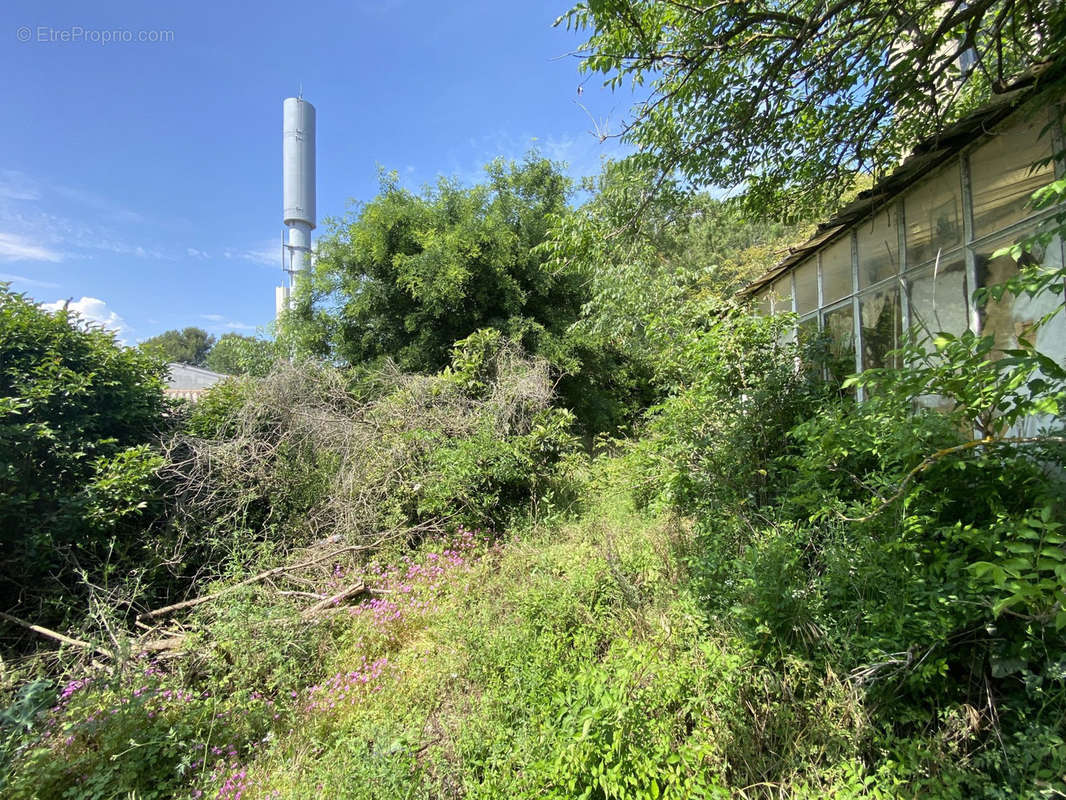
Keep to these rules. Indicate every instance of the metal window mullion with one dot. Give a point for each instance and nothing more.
(901, 239)
(818, 279)
(1057, 113)
(968, 253)
(856, 318)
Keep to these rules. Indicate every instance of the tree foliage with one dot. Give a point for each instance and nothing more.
(188, 346)
(792, 100)
(410, 274)
(650, 282)
(235, 354)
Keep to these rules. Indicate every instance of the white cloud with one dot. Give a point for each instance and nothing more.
(108, 209)
(17, 186)
(18, 248)
(192, 252)
(7, 276)
(123, 248)
(221, 321)
(267, 254)
(93, 310)
(37, 213)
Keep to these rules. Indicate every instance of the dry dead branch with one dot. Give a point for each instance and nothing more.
(48, 633)
(262, 576)
(335, 600)
(372, 455)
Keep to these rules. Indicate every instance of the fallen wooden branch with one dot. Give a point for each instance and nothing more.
(307, 595)
(55, 635)
(344, 594)
(160, 645)
(262, 576)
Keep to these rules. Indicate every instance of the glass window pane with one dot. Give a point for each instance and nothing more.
(1011, 318)
(809, 343)
(882, 326)
(878, 247)
(806, 286)
(1002, 176)
(807, 330)
(762, 304)
(781, 294)
(937, 296)
(836, 271)
(840, 338)
(934, 216)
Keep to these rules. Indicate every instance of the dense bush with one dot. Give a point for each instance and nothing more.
(235, 354)
(410, 274)
(712, 445)
(919, 552)
(313, 451)
(76, 477)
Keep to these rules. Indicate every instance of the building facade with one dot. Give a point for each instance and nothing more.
(909, 253)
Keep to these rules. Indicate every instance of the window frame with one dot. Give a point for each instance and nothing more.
(966, 250)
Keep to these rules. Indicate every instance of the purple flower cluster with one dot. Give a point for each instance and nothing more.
(405, 591)
(235, 786)
(346, 687)
(71, 688)
(409, 588)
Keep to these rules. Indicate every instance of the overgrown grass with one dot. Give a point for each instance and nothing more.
(568, 660)
(780, 641)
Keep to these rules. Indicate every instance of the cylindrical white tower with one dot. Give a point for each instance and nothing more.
(298, 190)
(281, 300)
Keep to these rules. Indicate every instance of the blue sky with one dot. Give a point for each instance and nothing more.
(142, 180)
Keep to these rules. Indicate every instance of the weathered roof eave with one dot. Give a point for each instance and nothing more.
(927, 155)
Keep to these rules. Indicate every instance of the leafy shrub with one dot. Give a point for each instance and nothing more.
(76, 477)
(713, 444)
(235, 354)
(145, 737)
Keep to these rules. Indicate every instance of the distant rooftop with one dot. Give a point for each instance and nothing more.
(188, 382)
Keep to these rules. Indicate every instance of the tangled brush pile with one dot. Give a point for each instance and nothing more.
(314, 451)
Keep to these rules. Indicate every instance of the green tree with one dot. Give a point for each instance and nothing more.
(793, 100)
(77, 411)
(407, 275)
(234, 354)
(188, 346)
(653, 256)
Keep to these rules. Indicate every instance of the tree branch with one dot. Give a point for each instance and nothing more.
(262, 576)
(947, 451)
(55, 635)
